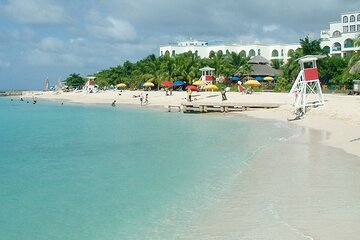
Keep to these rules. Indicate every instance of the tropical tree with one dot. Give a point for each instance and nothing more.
(75, 81)
(311, 47)
(353, 69)
(277, 63)
(331, 70)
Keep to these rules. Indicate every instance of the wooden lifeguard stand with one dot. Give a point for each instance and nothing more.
(207, 75)
(306, 89)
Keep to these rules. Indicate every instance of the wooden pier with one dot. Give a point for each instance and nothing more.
(195, 107)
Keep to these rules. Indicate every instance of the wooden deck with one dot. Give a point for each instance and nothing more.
(195, 107)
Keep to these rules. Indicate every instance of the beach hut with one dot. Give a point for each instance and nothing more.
(260, 68)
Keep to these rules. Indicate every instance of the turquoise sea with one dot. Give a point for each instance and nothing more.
(96, 172)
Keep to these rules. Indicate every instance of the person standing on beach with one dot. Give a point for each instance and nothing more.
(223, 95)
(141, 99)
(113, 103)
(189, 95)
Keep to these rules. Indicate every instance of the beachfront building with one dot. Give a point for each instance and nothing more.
(204, 49)
(338, 39)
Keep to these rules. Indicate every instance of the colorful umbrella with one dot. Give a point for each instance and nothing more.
(198, 83)
(252, 83)
(235, 78)
(121, 85)
(211, 87)
(268, 78)
(148, 84)
(192, 87)
(179, 83)
(167, 84)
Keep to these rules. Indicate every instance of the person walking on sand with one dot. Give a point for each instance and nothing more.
(113, 103)
(146, 99)
(141, 99)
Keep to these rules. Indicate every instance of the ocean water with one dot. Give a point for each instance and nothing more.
(96, 172)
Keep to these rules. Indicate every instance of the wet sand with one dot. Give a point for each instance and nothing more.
(298, 189)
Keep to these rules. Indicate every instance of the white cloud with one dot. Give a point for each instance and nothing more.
(34, 12)
(270, 28)
(41, 58)
(110, 28)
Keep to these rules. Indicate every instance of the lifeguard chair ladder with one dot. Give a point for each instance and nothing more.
(306, 89)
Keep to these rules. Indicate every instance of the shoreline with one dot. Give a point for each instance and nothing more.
(338, 116)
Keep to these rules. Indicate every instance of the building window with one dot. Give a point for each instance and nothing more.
(337, 34)
(243, 53)
(358, 17)
(346, 29)
(327, 49)
(290, 52)
(358, 28)
(345, 19)
(161, 53)
(252, 53)
(336, 47)
(352, 28)
(352, 18)
(259, 52)
(282, 52)
(349, 43)
(173, 53)
(275, 53)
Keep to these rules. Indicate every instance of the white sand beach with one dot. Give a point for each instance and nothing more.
(306, 193)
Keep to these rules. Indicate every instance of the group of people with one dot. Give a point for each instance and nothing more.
(144, 101)
(34, 100)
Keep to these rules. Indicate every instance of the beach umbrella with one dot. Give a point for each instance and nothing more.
(167, 84)
(120, 85)
(178, 83)
(252, 83)
(268, 78)
(235, 78)
(211, 87)
(192, 87)
(199, 83)
(148, 84)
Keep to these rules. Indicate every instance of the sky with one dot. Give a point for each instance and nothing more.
(51, 39)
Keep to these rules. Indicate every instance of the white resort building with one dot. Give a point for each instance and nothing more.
(338, 39)
(203, 49)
